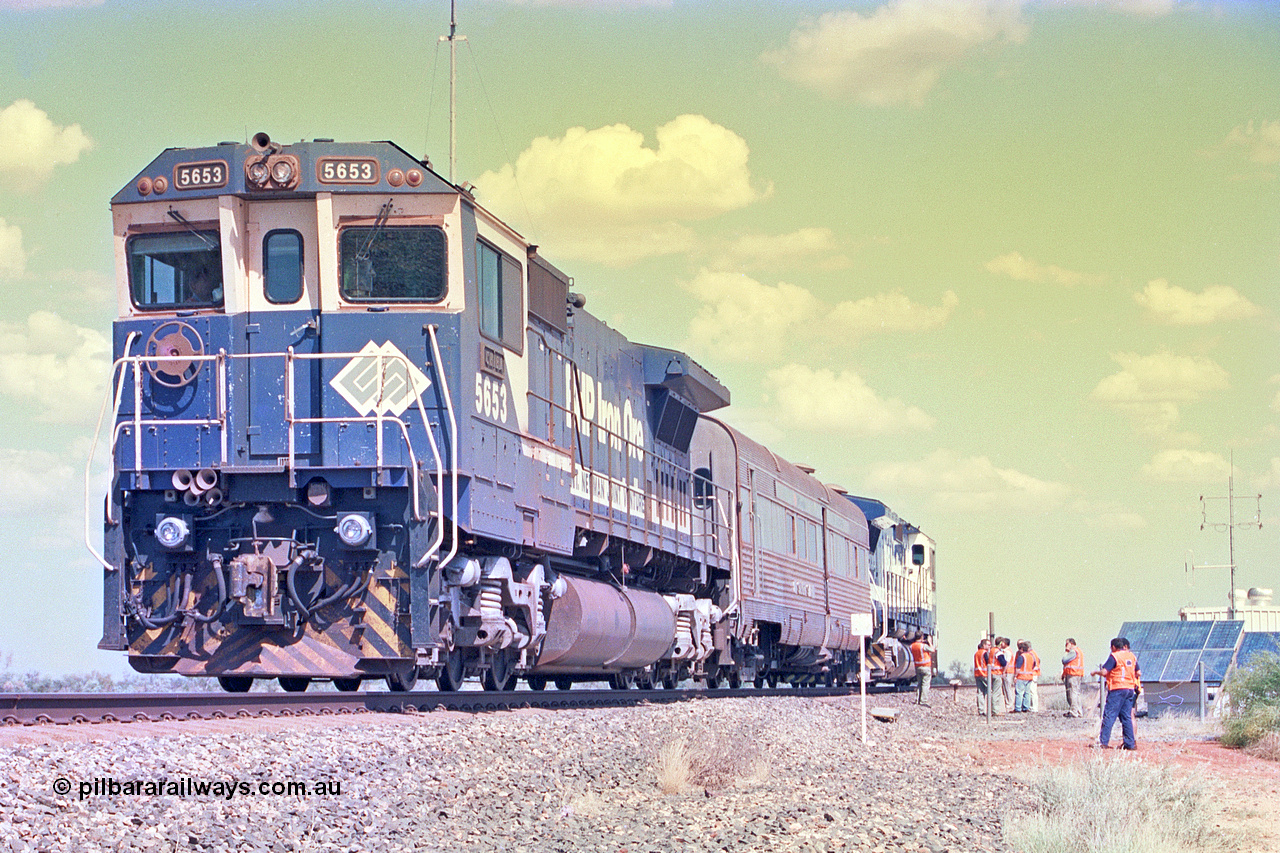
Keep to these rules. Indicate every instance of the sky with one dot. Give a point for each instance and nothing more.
(1010, 267)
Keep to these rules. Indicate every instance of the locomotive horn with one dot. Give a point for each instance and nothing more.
(190, 499)
(263, 145)
(182, 479)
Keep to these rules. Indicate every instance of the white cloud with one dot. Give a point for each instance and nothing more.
(34, 482)
(824, 401)
(744, 320)
(1144, 8)
(603, 195)
(896, 54)
(60, 367)
(31, 144)
(889, 312)
(966, 485)
(13, 259)
(1151, 388)
(1186, 466)
(1260, 142)
(1178, 307)
(1018, 268)
(814, 247)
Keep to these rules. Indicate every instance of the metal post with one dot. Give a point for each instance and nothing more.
(991, 656)
(1204, 694)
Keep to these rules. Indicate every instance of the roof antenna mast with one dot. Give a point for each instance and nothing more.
(1230, 527)
(453, 38)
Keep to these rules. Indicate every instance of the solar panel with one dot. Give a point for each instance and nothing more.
(1181, 665)
(1224, 635)
(1192, 635)
(1256, 642)
(1152, 662)
(1162, 635)
(1136, 632)
(1216, 662)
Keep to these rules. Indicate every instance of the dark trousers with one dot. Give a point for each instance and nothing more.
(1119, 704)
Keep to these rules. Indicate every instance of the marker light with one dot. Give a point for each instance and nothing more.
(258, 172)
(172, 532)
(354, 530)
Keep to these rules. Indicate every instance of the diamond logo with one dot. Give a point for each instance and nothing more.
(380, 379)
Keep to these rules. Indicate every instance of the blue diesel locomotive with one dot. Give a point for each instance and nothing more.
(360, 429)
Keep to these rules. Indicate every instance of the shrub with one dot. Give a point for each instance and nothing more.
(713, 761)
(1111, 805)
(1251, 708)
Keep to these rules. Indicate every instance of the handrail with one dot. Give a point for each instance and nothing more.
(93, 447)
(453, 438)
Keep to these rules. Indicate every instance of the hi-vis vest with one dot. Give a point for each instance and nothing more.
(920, 654)
(996, 667)
(1030, 667)
(1076, 666)
(1124, 676)
(980, 663)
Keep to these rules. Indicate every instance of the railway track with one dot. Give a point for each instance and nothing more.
(72, 708)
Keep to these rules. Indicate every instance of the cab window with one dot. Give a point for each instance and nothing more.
(400, 264)
(175, 270)
(282, 266)
(501, 297)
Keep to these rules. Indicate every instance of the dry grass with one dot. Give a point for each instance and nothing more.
(715, 763)
(1115, 805)
(1268, 747)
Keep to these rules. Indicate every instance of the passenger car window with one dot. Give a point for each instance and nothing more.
(400, 264)
(282, 266)
(177, 269)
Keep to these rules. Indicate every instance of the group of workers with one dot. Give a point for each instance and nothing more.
(1006, 680)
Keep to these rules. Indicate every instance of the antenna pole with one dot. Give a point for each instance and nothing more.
(453, 38)
(1230, 527)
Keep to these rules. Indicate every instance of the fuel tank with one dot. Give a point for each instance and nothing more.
(597, 627)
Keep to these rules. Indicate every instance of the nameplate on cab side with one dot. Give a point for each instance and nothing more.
(492, 361)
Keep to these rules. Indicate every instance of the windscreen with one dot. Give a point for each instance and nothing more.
(400, 264)
(179, 269)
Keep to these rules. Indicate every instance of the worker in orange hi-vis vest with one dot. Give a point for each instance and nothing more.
(1124, 683)
(1026, 670)
(982, 667)
(1004, 657)
(922, 655)
(1073, 677)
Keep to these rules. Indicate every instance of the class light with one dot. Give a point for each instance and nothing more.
(172, 532)
(354, 530)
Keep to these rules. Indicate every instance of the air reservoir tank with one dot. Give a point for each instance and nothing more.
(597, 627)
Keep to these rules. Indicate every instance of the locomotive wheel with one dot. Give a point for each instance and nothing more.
(403, 682)
(451, 674)
(347, 685)
(623, 680)
(537, 683)
(563, 682)
(501, 672)
(669, 681)
(235, 683)
(644, 680)
(735, 679)
(713, 679)
(758, 682)
(294, 684)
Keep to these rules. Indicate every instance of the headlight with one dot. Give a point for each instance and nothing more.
(258, 172)
(354, 530)
(172, 532)
(282, 172)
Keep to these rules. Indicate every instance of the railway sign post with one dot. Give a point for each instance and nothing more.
(860, 627)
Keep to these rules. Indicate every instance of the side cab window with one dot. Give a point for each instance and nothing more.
(501, 286)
